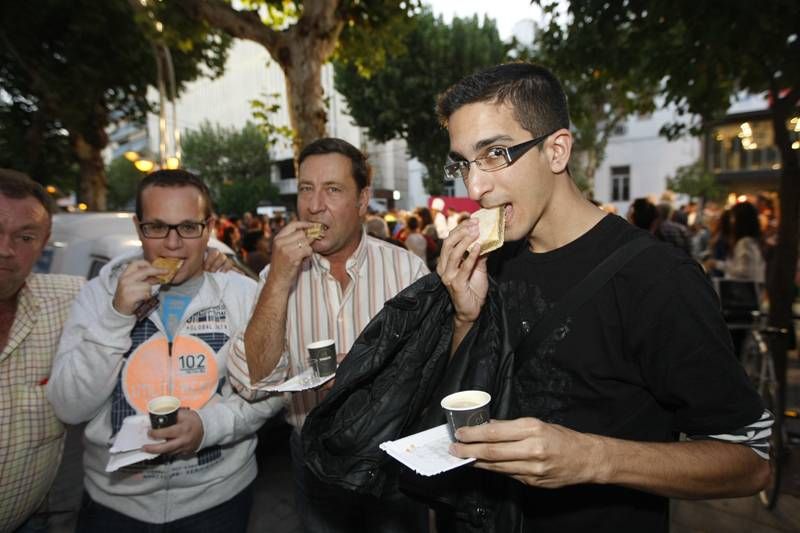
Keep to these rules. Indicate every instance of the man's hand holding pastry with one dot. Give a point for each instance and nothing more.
(290, 247)
(462, 265)
(135, 285)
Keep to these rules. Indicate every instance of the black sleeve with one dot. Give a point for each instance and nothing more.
(686, 355)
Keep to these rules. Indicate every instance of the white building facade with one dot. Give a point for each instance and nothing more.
(251, 74)
(638, 160)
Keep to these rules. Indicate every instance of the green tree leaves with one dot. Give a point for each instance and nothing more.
(234, 164)
(73, 67)
(399, 100)
(695, 181)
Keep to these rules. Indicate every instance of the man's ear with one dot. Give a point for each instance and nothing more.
(363, 200)
(138, 230)
(46, 239)
(559, 150)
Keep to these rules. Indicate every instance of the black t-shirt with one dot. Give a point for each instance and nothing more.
(646, 358)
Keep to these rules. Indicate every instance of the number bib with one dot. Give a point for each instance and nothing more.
(191, 373)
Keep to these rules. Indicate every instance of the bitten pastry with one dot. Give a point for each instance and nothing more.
(492, 228)
(171, 264)
(317, 231)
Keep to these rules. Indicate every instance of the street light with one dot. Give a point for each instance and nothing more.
(169, 139)
(144, 165)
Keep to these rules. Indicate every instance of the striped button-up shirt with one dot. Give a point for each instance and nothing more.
(31, 437)
(320, 309)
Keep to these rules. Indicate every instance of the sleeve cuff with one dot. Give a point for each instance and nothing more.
(213, 432)
(239, 375)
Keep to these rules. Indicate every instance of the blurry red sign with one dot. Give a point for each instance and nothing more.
(456, 203)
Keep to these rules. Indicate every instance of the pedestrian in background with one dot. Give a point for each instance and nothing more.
(745, 260)
(257, 248)
(415, 242)
(669, 229)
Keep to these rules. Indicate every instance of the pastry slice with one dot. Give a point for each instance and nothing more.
(171, 265)
(492, 226)
(317, 231)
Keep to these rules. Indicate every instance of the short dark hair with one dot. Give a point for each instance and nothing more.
(424, 214)
(361, 170)
(17, 185)
(644, 213)
(537, 99)
(173, 178)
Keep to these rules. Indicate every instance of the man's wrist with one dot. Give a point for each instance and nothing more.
(277, 284)
(601, 457)
(461, 324)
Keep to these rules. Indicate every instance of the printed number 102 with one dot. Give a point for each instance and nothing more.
(189, 362)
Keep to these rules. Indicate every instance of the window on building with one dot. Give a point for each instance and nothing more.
(286, 168)
(621, 183)
(619, 130)
(746, 146)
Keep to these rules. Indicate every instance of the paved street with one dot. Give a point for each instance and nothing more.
(273, 511)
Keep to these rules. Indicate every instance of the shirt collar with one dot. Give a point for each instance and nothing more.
(354, 262)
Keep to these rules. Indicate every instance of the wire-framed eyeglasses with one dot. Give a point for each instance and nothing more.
(185, 230)
(496, 158)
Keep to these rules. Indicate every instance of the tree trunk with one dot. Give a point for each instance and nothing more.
(780, 282)
(93, 175)
(301, 60)
(300, 50)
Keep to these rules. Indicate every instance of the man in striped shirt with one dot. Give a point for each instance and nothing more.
(326, 287)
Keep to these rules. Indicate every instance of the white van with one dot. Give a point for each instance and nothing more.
(81, 243)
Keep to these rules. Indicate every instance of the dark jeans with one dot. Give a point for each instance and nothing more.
(228, 517)
(325, 508)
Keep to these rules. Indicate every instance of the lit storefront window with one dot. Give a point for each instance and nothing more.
(748, 146)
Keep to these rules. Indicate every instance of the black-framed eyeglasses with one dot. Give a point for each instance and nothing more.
(185, 230)
(496, 158)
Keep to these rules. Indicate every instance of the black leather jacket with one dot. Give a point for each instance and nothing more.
(390, 386)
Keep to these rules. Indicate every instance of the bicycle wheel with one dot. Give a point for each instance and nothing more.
(751, 357)
(756, 359)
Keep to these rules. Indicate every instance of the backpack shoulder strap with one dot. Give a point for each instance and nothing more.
(587, 287)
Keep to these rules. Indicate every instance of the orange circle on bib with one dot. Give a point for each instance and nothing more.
(190, 374)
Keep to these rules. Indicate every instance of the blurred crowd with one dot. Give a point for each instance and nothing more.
(733, 241)
(421, 231)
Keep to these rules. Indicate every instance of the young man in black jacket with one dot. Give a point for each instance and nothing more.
(597, 407)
